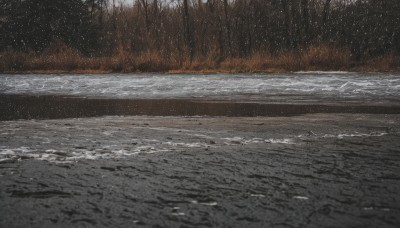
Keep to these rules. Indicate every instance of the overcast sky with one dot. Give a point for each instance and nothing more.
(126, 1)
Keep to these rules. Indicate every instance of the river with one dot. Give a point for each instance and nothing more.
(306, 149)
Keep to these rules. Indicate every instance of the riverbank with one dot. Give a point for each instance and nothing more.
(318, 170)
(227, 150)
(315, 58)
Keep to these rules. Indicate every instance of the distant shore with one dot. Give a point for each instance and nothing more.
(361, 69)
(189, 70)
(321, 58)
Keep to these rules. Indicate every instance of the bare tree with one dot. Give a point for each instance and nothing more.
(187, 30)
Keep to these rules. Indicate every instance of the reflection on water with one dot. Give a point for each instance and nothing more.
(43, 107)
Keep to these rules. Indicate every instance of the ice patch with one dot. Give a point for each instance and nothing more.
(239, 140)
(253, 140)
(320, 84)
(346, 135)
(4, 159)
(188, 145)
(301, 197)
(257, 195)
(60, 156)
(314, 136)
(373, 208)
(178, 214)
(211, 204)
(7, 152)
(108, 133)
(18, 152)
(280, 141)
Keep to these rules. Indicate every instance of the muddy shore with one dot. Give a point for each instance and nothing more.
(313, 170)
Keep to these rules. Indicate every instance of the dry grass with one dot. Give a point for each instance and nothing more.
(320, 57)
(386, 63)
(324, 57)
(59, 58)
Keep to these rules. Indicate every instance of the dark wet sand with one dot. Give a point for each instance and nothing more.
(316, 181)
(14, 107)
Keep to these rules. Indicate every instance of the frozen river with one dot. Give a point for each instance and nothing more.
(360, 87)
(295, 150)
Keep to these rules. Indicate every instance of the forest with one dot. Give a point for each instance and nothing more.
(199, 35)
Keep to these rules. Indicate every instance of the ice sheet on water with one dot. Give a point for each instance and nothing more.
(343, 84)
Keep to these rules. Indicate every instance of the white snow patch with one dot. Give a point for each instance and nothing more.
(211, 204)
(301, 197)
(280, 141)
(257, 195)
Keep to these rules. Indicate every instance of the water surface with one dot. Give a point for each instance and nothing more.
(304, 149)
(294, 87)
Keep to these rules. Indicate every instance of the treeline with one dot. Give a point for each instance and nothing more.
(202, 33)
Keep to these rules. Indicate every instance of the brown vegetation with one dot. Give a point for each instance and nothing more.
(59, 58)
(199, 36)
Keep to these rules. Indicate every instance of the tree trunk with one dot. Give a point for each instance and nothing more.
(305, 17)
(155, 5)
(187, 31)
(288, 22)
(326, 11)
(146, 13)
(227, 27)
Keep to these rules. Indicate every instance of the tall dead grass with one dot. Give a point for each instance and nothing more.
(61, 58)
(321, 57)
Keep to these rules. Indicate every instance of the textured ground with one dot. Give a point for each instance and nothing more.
(316, 170)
